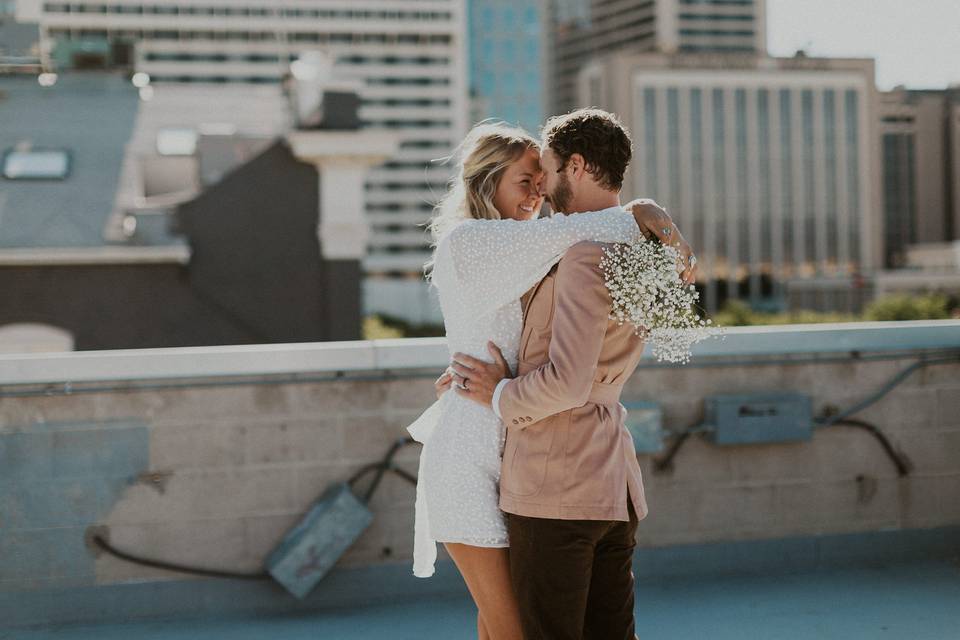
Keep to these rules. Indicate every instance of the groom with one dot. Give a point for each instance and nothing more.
(570, 484)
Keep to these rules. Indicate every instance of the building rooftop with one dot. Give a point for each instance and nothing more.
(17, 38)
(89, 115)
(912, 600)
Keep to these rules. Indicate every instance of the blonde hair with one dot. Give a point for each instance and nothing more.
(482, 157)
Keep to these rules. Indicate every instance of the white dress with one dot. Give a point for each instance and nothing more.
(481, 269)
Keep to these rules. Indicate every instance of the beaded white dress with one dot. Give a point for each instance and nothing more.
(481, 269)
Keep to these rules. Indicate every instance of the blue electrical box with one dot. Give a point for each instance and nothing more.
(758, 417)
(312, 547)
(645, 424)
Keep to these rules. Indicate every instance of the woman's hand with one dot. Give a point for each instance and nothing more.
(655, 222)
(443, 383)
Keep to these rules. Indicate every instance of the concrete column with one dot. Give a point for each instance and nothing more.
(753, 213)
(731, 204)
(776, 193)
(799, 190)
(667, 26)
(711, 208)
(820, 203)
(342, 159)
(954, 154)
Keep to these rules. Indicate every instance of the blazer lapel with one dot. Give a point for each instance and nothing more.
(533, 292)
(530, 295)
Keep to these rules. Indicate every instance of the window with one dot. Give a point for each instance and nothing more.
(176, 142)
(49, 164)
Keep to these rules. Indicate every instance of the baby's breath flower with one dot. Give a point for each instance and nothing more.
(647, 292)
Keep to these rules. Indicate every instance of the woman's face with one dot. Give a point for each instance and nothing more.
(518, 194)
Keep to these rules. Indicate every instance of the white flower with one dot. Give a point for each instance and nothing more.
(647, 292)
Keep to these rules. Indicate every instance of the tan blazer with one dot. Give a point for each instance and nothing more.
(568, 454)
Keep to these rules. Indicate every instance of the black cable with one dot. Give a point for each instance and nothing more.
(160, 564)
(665, 463)
(903, 464)
(386, 464)
(902, 375)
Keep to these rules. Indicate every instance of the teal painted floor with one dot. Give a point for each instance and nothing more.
(916, 601)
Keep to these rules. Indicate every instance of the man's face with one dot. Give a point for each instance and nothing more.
(555, 186)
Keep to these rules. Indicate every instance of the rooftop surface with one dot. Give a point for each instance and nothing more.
(91, 115)
(908, 600)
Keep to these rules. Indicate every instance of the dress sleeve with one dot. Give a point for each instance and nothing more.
(496, 261)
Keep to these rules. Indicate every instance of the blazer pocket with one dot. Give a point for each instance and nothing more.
(528, 464)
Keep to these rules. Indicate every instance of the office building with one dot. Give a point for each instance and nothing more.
(920, 131)
(580, 31)
(767, 165)
(409, 58)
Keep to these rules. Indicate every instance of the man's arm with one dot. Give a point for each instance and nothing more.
(581, 314)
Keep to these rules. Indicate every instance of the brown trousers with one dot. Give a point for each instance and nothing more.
(573, 578)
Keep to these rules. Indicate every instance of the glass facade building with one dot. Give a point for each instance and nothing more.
(506, 52)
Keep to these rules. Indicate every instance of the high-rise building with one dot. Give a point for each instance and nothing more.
(920, 132)
(768, 165)
(507, 79)
(18, 43)
(581, 30)
(410, 59)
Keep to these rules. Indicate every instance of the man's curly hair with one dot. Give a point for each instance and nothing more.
(598, 136)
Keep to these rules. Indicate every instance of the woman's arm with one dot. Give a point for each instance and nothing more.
(496, 261)
(655, 222)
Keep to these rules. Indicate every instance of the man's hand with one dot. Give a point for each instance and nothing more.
(655, 222)
(476, 379)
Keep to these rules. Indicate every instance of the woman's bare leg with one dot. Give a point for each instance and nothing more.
(487, 574)
(482, 629)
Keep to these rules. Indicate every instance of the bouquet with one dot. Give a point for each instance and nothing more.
(647, 292)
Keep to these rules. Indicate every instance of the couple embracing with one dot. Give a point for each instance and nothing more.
(528, 475)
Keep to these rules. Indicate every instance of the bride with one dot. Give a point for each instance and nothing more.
(490, 248)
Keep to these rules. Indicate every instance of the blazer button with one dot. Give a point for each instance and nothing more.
(515, 421)
(529, 419)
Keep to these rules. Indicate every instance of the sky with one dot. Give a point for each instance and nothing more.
(916, 43)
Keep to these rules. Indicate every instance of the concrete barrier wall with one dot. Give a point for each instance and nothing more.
(213, 471)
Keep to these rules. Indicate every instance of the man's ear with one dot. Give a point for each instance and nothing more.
(578, 166)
